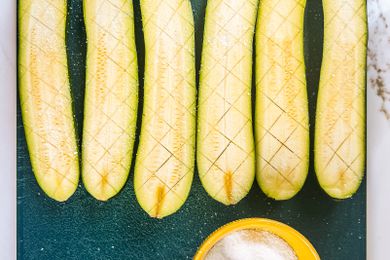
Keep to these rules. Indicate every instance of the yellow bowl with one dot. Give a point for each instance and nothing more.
(302, 247)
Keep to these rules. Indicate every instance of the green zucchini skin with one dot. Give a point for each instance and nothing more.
(111, 96)
(225, 144)
(165, 158)
(339, 155)
(45, 97)
(281, 117)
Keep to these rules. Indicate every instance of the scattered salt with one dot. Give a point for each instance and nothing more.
(251, 244)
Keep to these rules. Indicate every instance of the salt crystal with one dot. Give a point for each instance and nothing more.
(251, 244)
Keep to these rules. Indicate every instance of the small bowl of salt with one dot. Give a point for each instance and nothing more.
(256, 238)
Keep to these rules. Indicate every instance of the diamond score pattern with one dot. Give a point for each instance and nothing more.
(236, 13)
(103, 145)
(169, 104)
(280, 129)
(38, 40)
(337, 149)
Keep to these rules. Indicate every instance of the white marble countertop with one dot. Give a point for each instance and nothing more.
(8, 130)
(378, 130)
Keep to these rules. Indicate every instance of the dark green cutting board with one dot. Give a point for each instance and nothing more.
(84, 228)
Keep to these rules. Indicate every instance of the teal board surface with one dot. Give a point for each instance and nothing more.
(84, 228)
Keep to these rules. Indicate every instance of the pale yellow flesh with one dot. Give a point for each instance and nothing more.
(281, 118)
(340, 120)
(45, 97)
(225, 153)
(111, 97)
(165, 157)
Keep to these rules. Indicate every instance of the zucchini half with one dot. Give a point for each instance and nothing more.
(165, 158)
(45, 97)
(340, 118)
(281, 117)
(111, 96)
(225, 153)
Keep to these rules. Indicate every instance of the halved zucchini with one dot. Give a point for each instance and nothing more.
(45, 97)
(225, 152)
(340, 118)
(281, 118)
(165, 159)
(111, 96)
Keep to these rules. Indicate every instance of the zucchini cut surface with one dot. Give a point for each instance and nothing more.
(111, 97)
(165, 157)
(225, 153)
(340, 117)
(281, 116)
(45, 97)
